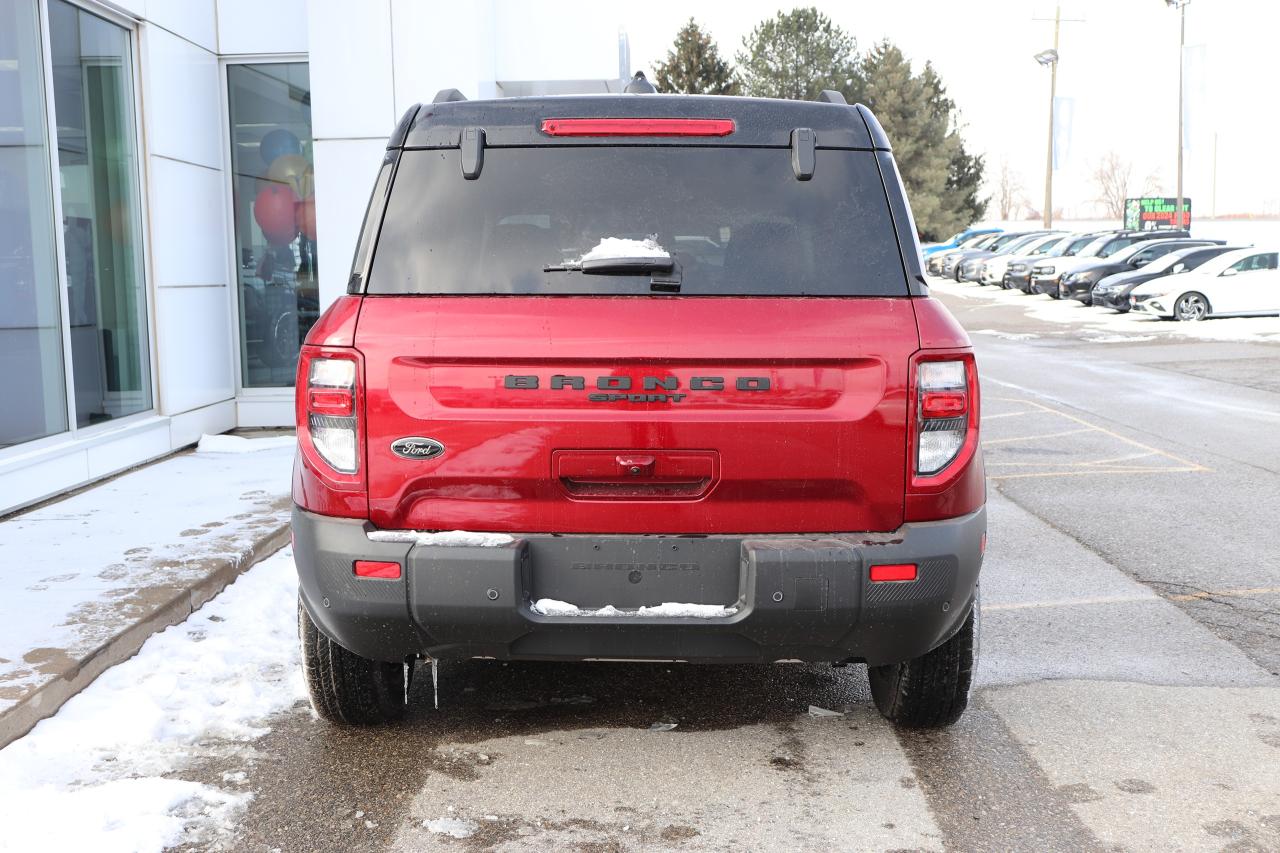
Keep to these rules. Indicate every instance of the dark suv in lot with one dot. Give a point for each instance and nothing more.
(638, 377)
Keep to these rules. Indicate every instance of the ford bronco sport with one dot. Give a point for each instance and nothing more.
(638, 377)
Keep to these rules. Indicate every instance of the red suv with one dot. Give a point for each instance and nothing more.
(638, 377)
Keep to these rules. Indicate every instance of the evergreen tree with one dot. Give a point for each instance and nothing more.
(796, 55)
(694, 66)
(942, 179)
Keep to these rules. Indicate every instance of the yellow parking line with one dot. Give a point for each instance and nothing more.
(1098, 472)
(1009, 414)
(1120, 437)
(988, 443)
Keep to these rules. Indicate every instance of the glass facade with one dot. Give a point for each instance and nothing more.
(30, 323)
(269, 107)
(97, 171)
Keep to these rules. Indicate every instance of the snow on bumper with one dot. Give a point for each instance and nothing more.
(750, 598)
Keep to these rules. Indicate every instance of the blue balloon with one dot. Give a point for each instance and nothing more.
(276, 143)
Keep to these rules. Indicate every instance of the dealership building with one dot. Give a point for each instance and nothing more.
(181, 187)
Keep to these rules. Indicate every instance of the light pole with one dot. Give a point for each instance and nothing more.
(1049, 58)
(1181, 6)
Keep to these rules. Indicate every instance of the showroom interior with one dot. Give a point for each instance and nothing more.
(181, 187)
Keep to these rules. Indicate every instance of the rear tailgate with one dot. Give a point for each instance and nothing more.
(670, 415)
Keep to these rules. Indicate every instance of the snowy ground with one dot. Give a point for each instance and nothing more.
(76, 571)
(1103, 326)
(105, 773)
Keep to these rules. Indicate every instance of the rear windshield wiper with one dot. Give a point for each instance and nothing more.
(616, 266)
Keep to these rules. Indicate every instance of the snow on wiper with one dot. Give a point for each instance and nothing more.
(620, 255)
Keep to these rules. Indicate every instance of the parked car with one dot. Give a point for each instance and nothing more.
(992, 270)
(1240, 283)
(1113, 291)
(937, 259)
(956, 240)
(1045, 276)
(1018, 273)
(970, 268)
(950, 266)
(1079, 283)
(767, 455)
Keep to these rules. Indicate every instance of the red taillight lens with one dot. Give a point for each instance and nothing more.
(638, 126)
(377, 569)
(897, 572)
(943, 404)
(338, 402)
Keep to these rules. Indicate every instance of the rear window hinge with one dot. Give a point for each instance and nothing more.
(472, 152)
(803, 154)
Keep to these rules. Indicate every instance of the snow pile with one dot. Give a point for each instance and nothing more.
(621, 247)
(240, 444)
(448, 538)
(99, 775)
(667, 610)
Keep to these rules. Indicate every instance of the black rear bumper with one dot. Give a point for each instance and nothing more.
(791, 597)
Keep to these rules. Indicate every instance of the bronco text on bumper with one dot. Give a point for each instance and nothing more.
(638, 377)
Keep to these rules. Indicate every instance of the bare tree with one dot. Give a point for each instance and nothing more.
(1008, 192)
(1112, 177)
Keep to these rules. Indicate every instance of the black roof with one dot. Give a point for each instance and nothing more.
(759, 121)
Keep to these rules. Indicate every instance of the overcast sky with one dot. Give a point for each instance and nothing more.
(1120, 66)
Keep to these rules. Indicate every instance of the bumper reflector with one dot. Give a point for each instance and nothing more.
(899, 572)
(377, 569)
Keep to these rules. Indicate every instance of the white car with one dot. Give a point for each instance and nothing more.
(994, 268)
(1241, 283)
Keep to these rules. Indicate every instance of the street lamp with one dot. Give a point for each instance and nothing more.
(1049, 59)
(1181, 6)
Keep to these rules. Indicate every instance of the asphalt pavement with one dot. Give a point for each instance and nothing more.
(1128, 692)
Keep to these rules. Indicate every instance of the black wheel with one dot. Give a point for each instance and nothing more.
(930, 691)
(346, 688)
(1191, 307)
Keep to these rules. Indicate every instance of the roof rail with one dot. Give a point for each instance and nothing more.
(446, 95)
(831, 96)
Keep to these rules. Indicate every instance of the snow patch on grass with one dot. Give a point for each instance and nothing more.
(101, 774)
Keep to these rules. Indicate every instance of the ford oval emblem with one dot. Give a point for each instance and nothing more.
(415, 447)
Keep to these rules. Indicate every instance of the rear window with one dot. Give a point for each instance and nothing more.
(736, 221)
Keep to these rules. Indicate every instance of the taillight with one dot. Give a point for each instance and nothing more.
(638, 126)
(331, 412)
(942, 413)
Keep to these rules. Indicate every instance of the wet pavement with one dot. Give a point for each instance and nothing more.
(1128, 693)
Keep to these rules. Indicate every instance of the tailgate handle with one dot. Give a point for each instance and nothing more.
(636, 466)
(669, 474)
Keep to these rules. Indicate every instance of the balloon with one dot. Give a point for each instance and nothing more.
(305, 217)
(278, 143)
(293, 171)
(274, 211)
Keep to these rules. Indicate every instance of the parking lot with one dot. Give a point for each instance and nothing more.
(1127, 693)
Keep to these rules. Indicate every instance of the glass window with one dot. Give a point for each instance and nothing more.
(98, 168)
(735, 219)
(30, 328)
(275, 216)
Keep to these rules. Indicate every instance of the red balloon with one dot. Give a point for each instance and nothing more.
(274, 211)
(305, 217)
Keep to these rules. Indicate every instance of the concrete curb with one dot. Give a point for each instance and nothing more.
(46, 699)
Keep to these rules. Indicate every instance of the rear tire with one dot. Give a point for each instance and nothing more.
(930, 691)
(346, 688)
